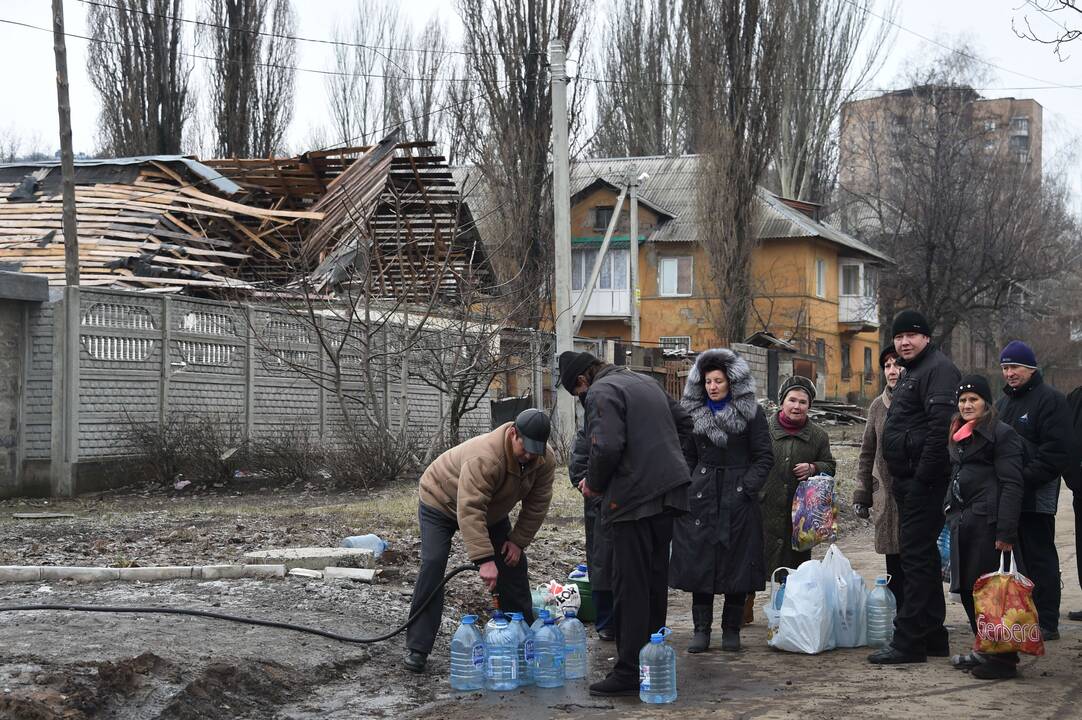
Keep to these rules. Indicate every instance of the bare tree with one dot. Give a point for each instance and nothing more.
(737, 47)
(1059, 12)
(16, 146)
(508, 40)
(835, 47)
(970, 222)
(139, 71)
(251, 76)
(641, 103)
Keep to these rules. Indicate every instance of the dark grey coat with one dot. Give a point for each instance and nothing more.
(636, 438)
(718, 547)
(598, 534)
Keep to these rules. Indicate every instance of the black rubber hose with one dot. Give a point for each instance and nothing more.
(247, 621)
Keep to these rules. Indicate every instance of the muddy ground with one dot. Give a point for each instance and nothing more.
(80, 665)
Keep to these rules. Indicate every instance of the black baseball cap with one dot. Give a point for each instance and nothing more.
(534, 428)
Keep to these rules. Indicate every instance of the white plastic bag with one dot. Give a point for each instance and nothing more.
(561, 596)
(772, 609)
(847, 598)
(805, 624)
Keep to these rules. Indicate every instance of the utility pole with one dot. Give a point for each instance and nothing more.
(561, 201)
(633, 249)
(67, 157)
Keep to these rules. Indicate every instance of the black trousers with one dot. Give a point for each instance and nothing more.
(512, 583)
(640, 587)
(897, 578)
(732, 612)
(1077, 502)
(977, 555)
(918, 626)
(599, 560)
(1037, 538)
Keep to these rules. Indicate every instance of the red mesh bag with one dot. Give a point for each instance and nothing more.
(1005, 613)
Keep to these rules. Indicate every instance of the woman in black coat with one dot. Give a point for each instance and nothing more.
(983, 502)
(717, 548)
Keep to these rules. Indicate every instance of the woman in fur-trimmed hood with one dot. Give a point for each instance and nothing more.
(717, 548)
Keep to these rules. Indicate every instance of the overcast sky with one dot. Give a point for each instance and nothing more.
(1016, 67)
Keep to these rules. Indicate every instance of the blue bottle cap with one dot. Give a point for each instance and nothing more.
(516, 616)
(570, 613)
(544, 614)
(657, 638)
(880, 580)
(549, 621)
(582, 566)
(469, 619)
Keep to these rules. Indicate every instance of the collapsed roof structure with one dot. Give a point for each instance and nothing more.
(228, 226)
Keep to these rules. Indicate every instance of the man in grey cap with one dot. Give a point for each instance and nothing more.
(473, 487)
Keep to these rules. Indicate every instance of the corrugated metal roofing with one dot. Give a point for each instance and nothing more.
(210, 175)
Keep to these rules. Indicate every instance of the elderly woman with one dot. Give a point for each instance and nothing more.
(983, 503)
(801, 450)
(874, 481)
(717, 548)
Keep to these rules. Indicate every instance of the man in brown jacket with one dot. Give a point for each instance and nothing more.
(473, 487)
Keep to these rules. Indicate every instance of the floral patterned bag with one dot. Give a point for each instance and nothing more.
(1005, 613)
(815, 514)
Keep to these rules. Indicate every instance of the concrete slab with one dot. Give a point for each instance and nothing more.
(20, 573)
(313, 558)
(264, 571)
(148, 574)
(356, 574)
(79, 574)
(41, 516)
(219, 572)
(305, 573)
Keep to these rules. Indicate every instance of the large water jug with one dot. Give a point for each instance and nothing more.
(497, 615)
(366, 542)
(579, 573)
(657, 670)
(525, 649)
(881, 609)
(501, 648)
(539, 621)
(468, 656)
(574, 646)
(548, 656)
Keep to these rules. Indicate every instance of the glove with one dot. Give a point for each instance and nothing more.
(861, 511)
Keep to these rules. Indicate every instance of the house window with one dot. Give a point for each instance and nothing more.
(678, 343)
(614, 269)
(989, 125)
(871, 281)
(1076, 331)
(850, 280)
(674, 276)
(1019, 143)
(820, 277)
(603, 216)
(1020, 124)
(847, 369)
(869, 371)
(821, 349)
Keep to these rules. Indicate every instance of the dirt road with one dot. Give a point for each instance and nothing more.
(73, 665)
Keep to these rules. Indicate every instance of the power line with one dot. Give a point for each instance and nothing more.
(607, 81)
(214, 58)
(298, 38)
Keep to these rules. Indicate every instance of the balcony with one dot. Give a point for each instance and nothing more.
(605, 303)
(858, 313)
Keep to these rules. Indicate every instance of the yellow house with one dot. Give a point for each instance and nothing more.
(814, 287)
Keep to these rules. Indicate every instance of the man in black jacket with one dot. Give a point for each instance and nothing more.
(1073, 477)
(1038, 413)
(636, 465)
(915, 448)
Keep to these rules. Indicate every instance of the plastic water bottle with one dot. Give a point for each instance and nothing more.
(548, 656)
(574, 646)
(497, 615)
(779, 598)
(657, 670)
(366, 542)
(539, 621)
(579, 573)
(501, 646)
(468, 656)
(525, 649)
(881, 609)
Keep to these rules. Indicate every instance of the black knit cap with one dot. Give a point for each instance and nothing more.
(886, 354)
(910, 321)
(797, 382)
(976, 384)
(572, 364)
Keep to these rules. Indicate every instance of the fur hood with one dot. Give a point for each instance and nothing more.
(742, 405)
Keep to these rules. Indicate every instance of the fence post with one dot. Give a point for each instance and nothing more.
(249, 375)
(166, 365)
(65, 417)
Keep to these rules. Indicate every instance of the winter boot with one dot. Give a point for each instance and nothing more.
(730, 639)
(732, 617)
(702, 616)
